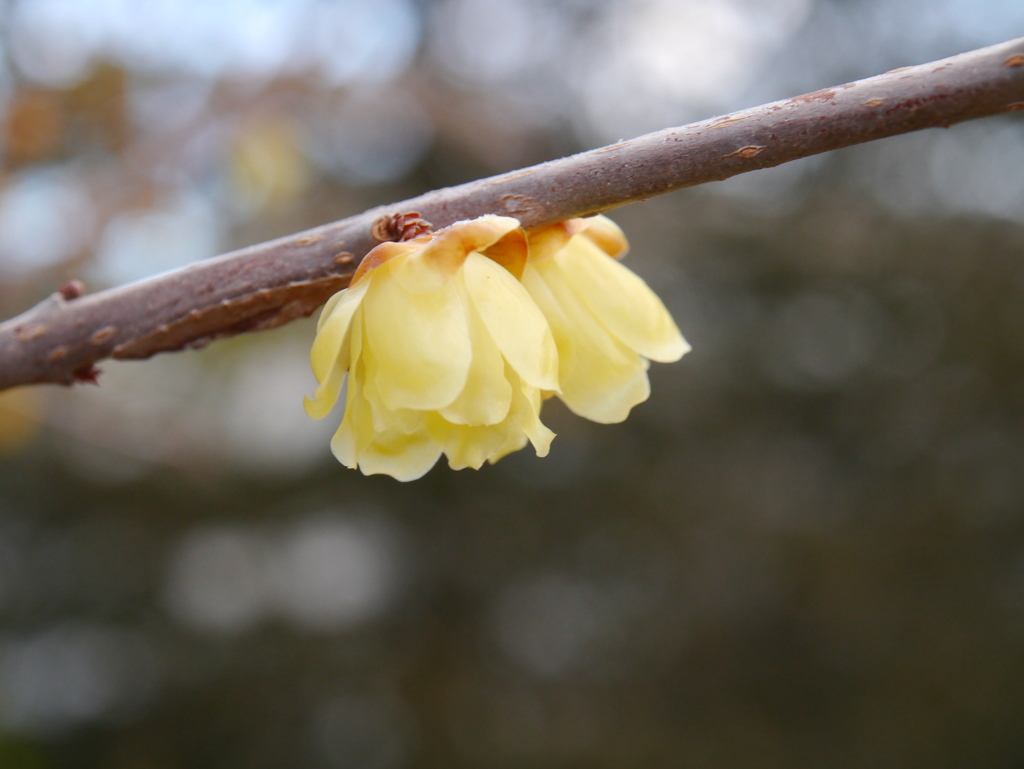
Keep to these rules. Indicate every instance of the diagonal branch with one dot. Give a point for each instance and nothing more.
(272, 283)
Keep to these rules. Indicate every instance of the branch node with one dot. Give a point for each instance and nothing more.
(399, 227)
(28, 333)
(72, 290)
(750, 151)
(88, 374)
(103, 335)
(521, 206)
(58, 353)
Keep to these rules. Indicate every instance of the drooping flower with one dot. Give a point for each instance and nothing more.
(444, 352)
(607, 322)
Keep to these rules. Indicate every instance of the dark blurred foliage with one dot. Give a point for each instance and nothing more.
(806, 549)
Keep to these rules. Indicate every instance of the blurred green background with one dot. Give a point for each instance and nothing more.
(805, 550)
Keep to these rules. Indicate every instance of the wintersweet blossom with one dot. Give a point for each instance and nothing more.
(444, 352)
(606, 321)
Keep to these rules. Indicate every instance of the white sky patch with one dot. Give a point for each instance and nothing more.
(137, 244)
(688, 50)
(367, 41)
(368, 138)
(51, 40)
(665, 62)
(482, 41)
(57, 39)
(45, 217)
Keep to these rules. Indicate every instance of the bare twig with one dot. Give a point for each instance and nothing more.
(272, 283)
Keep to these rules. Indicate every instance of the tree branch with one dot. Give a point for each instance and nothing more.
(272, 283)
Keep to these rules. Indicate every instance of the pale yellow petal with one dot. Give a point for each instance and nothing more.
(526, 414)
(523, 424)
(545, 242)
(330, 345)
(515, 442)
(419, 342)
(328, 307)
(511, 252)
(538, 290)
(356, 423)
(486, 398)
(472, 445)
(384, 253)
(357, 443)
(606, 234)
(403, 456)
(345, 444)
(430, 267)
(385, 418)
(514, 321)
(466, 445)
(326, 394)
(622, 300)
(602, 378)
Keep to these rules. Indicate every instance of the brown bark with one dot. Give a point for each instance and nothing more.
(272, 283)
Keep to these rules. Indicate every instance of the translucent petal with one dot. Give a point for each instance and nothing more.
(383, 254)
(606, 234)
(515, 442)
(622, 301)
(526, 414)
(404, 456)
(419, 342)
(385, 418)
(486, 398)
(343, 444)
(328, 307)
(402, 420)
(356, 340)
(326, 394)
(472, 445)
(514, 321)
(329, 346)
(603, 378)
(545, 242)
(538, 290)
(346, 441)
(430, 267)
(511, 252)
(466, 445)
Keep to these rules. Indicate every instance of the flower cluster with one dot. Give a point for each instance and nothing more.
(451, 341)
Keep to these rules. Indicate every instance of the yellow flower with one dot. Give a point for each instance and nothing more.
(444, 350)
(606, 321)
